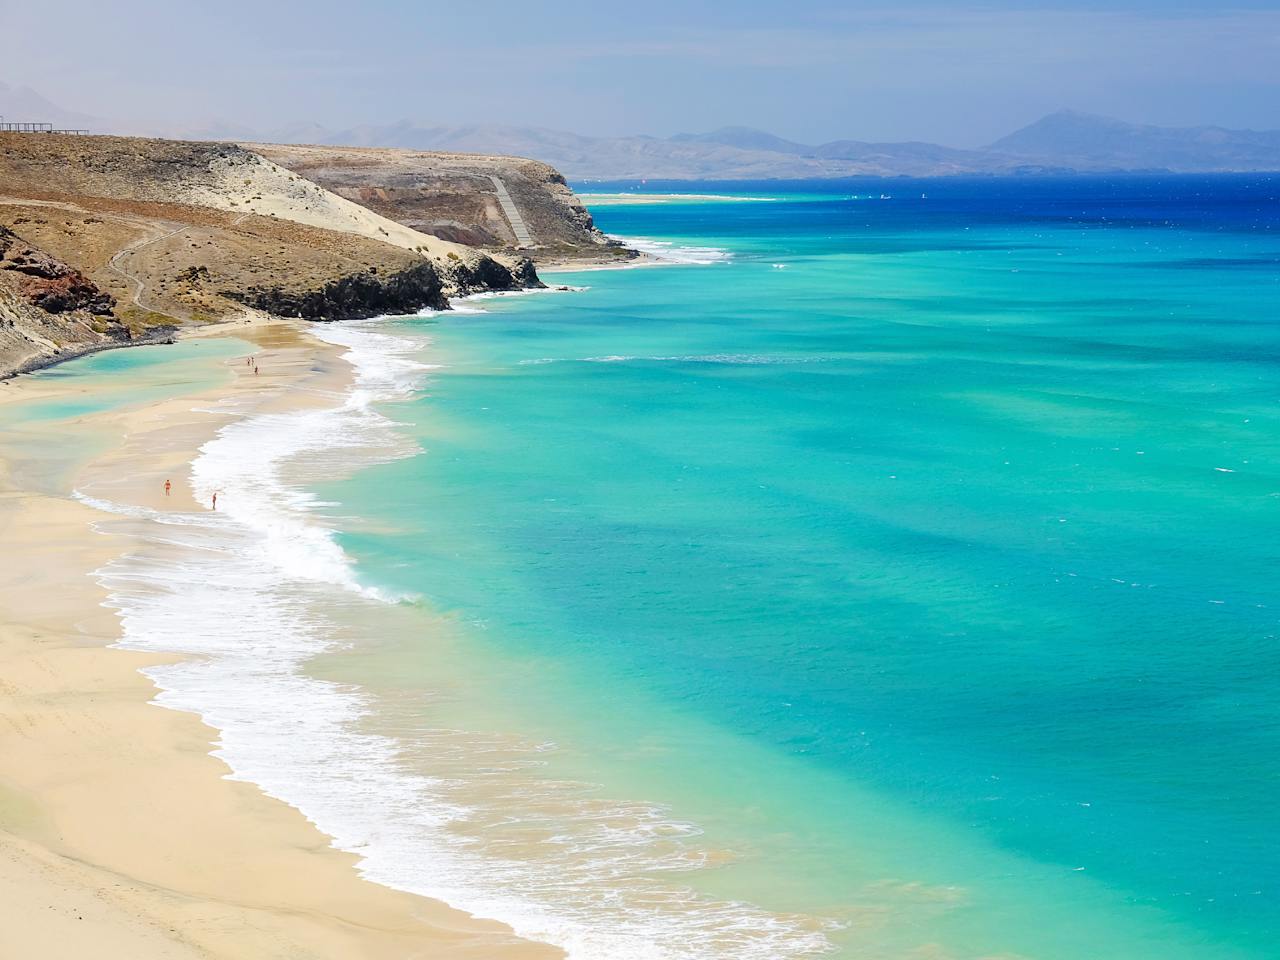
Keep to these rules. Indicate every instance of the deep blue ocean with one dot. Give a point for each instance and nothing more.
(913, 546)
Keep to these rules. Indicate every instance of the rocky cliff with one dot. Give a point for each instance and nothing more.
(46, 282)
(504, 205)
(50, 310)
(148, 234)
(355, 296)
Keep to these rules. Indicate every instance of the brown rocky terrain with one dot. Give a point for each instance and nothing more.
(453, 196)
(49, 308)
(46, 282)
(166, 265)
(113, 239)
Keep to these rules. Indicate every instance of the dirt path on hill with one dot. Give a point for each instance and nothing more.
(23, 202)
(114, 265)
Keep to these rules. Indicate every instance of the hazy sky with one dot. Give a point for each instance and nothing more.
(957, 73)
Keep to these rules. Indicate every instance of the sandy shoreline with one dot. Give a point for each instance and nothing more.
(119, 836)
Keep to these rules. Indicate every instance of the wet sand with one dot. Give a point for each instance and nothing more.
(119, 836)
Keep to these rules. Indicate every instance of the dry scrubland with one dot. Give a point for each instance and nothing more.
(154, 234)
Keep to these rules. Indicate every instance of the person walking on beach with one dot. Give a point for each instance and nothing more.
(215, 501)
(255, 369)
(167, 485)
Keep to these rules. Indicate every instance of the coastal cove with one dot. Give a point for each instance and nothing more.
(848, 584)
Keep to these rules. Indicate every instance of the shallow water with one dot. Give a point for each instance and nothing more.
(45, 438)
(113, 379)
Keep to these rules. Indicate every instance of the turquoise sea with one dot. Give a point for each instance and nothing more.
(44, 441)
(894, 576)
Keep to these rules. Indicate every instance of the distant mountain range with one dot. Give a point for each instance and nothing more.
(1085, 142)
(1062, 142)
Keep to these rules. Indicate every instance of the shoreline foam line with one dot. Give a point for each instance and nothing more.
(228, 591)
(149, 847)
(639, 199)
(671, 252)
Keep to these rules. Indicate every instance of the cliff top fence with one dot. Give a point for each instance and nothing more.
(31, 127)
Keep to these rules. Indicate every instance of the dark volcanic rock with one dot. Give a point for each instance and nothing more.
(526, 273)
(487, 273)
(64, 294)
(47, 282)
(352, 297)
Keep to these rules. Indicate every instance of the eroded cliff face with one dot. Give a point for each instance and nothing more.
(369, 294)
(462, 198)
(485, 273)
(48, 283)
(115, 239)
(572, 209)
(49, 310)
(375, 293)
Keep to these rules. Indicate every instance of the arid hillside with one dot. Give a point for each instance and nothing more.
(176, 232)
(500, 204)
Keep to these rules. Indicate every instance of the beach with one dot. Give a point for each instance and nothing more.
(120, 835)
(870, 607)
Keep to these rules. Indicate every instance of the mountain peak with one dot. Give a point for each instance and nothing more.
(1090, 141)
(1053, 127)
(1069, 113)
(746, 138)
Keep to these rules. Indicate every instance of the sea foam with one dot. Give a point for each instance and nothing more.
(669, 251)
(253, 592)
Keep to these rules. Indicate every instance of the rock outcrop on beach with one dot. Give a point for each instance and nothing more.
(463, 278)
(149, 234)
(356, 296)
